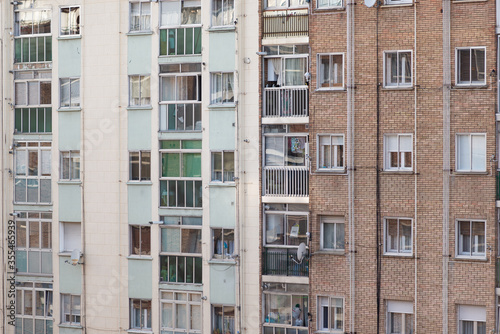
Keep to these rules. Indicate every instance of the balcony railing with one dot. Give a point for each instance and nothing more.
(286, 102)
(278, 262)
(288, 23)
(286, 181)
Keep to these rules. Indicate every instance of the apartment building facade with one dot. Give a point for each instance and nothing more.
(130, 146)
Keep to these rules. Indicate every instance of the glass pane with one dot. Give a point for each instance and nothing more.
(274, 230)
(391, 235)
(296, 149)
(191, 241)
(46, 235)
(477, 66)
(405, 235)
(464, 66)
(65, 93)
(191, 165)
(463, 152)
(34, 236)
(217, 166)
(195, 317)
(20, 234)
(328, 236)
(170, 240)
(170, 165)
(478, 146)
(296, 230)
(166, 315)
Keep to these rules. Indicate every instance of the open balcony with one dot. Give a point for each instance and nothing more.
(287, 181)
(279, 261)
(286, 101)
(285, 23)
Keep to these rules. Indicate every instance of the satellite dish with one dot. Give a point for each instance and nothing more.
(370, 3)
(301, 252)
(75, 256)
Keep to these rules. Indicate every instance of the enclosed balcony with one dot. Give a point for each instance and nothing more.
(276, 261)
(285, 23)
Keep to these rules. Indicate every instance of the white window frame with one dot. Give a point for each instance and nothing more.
(331, 322)
(192, 300)
(335, 220)
(399, 307)
(285, 136)
(73, 102)
(142, 166)
(457, 67)
(333, 156)
(401, 157)
(457, 149)
(224, 318)
(459, 240)
(142, 229)
(73, 308)
(305, 5)
(397, 251)
(330, 5)
(222, 80)
(229, 178)
(226, 20)
(398, 2)
(65, 232)
(23, 9)
(72, 160)
(471, 313)
(286, 292)
(144, 24)
(386, 69)
(144, 314)
(230, 248)
(320, 74)
(286, 237)
(32, 79)
(179, 13)
(144, 86)
(25, 313)
(281, 79)
(70, 29)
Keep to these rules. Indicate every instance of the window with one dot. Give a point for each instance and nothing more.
(140, 166)
(32, 172)
(471, 66)
(285, 306)
(180, 27)
(140, 16)
(331, 152)
(33, 42)
(282, 149)
(180, 179)
(397, 2)
(70, 165)
(70, 21)
(286, 70)
(332, 233)
(471, 152)
(223, 319)
(140, 243)
(399, 317)
(398, 236)
(180, 254)
(140, 314)
(71, 237)
(330, 4)
(398, 67)
(331, 69)
(285, 3)
(140, 90)
(222, 88)
(223, 166)
(471, 238)
(330, 314)
(70, 93)
(34, 312)
(398, 152)
(472, 319)
(223, 243)
(180, 312)
(70, 309)
(180, 117)
(222, 13)
(34, 242)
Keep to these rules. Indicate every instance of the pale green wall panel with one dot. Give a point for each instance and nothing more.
(69, 130)
(222, 51)
(222, 132)
(70, 58)
(222, 206)
(67, 330)
(70, 277)
(140, 281)
(222, 286)
(139, 54)
(139, 204)
(139, 129)
(70, 204)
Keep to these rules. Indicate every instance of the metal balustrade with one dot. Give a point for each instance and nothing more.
(286, 101)
(277, 261)
(287, 23)
(286, 181)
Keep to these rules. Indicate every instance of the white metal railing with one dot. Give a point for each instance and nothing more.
(286, 102)
(286, 181)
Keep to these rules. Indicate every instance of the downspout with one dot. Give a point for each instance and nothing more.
(415, 171)
(377, 167)
(350, 159)
(446, 158)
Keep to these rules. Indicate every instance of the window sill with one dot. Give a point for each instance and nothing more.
(222, 184)
(399, 255)
(70, 109)
(388, 5)
(464, 258)
(23, 274)
(142, 331)
(139, 33)
(401, 172)
(62, 38)
(330, 252)
(221, 261)
(179, 208)
(65, 253)
(148, 107)
(30, 203)
(222, 28)
(468, 173)
(139, 183)
(466, 1)
(69, 182)
(398, 88)
(222, 105)
(63, 325)
(140, 257)
(180, 283)
(328, 9)
(340, 90)
(479, 86)
(331, 171)
(184, 57)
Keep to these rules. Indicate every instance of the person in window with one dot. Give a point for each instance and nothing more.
(297, 316)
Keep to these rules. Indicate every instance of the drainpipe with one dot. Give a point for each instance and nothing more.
(415, 171)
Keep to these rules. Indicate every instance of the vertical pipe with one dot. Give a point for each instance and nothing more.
(378, 167)
(415, 171)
